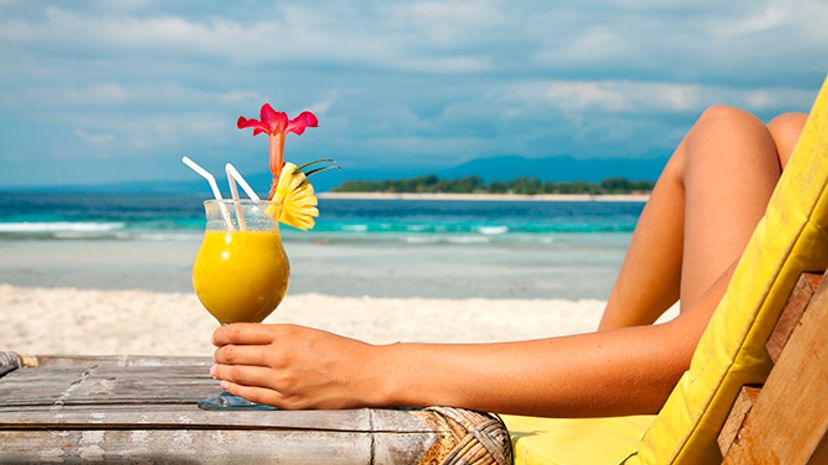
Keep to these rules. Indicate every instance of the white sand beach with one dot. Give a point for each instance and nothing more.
(88, 321)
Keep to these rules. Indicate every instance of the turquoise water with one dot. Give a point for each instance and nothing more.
(167, 217)
(379, 248)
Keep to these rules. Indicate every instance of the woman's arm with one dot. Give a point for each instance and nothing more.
(614, 372)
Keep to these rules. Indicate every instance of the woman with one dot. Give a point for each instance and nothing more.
(701, 213)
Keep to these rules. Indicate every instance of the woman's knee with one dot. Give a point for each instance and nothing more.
(725, 115)
(785, 130)
(717, 118)
(786, 122)
(719, 129)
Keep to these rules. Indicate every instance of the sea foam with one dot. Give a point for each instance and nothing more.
(59, 226)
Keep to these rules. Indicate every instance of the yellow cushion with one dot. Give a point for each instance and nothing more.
(575, 441)
(790, 239)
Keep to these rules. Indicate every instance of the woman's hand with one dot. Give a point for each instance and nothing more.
(294, 367)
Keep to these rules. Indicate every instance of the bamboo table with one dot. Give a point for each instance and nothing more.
(132, 409)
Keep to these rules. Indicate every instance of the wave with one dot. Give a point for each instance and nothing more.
(453, 230)
(446, 240)
(492, 230)
(59, 227)
(468, 228)
(150, 236)
(355, 227)
(468, 240)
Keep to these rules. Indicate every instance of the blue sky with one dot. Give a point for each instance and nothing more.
(103, 91)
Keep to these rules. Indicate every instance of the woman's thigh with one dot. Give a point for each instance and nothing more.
(730, 170)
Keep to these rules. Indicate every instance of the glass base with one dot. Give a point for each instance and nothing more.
(226, 401)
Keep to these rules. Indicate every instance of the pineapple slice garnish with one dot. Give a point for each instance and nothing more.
(294, 193)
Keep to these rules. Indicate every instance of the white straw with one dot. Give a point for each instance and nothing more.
(212, 181)
(234, 192)
(204, 174)
(232, 172)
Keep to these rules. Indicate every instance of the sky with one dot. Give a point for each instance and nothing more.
(108, 92)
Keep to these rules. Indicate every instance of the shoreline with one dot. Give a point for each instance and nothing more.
(486, 197)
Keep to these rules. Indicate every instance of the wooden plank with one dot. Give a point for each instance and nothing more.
(186, 447)
(820, 456)
(209, 447)
(24, 386)
(106, 384)
(802, 293)
(789, 420)
(158, 417)
(113, 360)
(744, 402)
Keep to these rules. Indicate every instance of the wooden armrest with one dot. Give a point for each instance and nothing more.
(741, 407)
(786, 422)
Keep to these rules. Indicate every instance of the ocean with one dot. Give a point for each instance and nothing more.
(379, 248)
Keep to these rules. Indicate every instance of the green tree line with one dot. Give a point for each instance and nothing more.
(475, 185)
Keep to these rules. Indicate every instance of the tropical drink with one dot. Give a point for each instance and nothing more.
(241, 272)
(241, 276)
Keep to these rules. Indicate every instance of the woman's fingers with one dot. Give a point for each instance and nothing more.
(241, 355)
(244, 374)
(242, 333)
(255, 394)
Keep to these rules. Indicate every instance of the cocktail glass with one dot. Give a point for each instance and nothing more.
(240, 273)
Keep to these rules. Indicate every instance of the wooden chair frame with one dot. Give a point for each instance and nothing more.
(786, 420)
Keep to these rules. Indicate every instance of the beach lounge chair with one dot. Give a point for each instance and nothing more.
(791, 239)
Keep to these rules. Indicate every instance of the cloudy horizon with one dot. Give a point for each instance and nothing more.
(98, 92)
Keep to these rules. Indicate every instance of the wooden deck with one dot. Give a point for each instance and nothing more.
(129, 409)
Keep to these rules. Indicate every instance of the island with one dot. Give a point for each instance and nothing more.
(475, 188)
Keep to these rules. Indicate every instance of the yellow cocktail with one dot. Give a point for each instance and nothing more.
(241, 272)
(241, 276)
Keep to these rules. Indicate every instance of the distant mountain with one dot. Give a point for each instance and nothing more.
(558, 169)
(510, 167)
(499, 168)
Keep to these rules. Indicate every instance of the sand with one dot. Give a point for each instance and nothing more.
(99, 322)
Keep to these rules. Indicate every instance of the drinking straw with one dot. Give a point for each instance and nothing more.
(212, 181)
(234, 193)
(234, 173)
(204, 174)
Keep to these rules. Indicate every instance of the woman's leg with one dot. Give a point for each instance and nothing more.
(785, 130)
(700, 215)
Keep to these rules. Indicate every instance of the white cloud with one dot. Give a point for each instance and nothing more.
(447, 24)
(237, 96)
(297, 34)
(122, 135)
(65, 94)
(98, 140)
(439, 149)
(151, 94)
(635, 97)
(812, 18)
(321, 107)
(772, 17)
